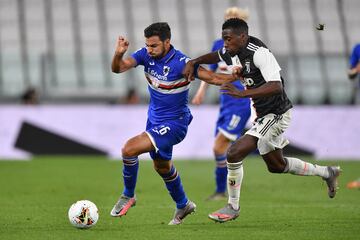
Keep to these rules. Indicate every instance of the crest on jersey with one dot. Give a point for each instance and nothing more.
(166, 70)
(247, 67)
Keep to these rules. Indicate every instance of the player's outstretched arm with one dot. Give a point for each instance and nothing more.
(214, 78)
(353, 72)
(268, 89)
(209, 58)
(118, 64)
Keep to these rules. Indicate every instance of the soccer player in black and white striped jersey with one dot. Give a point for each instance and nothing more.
(259, 72)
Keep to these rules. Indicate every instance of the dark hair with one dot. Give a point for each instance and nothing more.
(160, 29)
(236, 24)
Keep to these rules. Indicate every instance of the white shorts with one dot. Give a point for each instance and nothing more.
(269, 130)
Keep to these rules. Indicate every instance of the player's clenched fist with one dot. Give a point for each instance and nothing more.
(237, 72)
(122, 45)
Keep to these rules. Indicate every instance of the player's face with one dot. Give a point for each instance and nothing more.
(233, 42)
(155, 47)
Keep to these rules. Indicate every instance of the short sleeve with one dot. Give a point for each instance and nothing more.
(224, 56)
(266, 62)
(139, 56)
(355, 56)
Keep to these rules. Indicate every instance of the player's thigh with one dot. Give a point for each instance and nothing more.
(268, 129)
(221, 144)
(137, 145)
(241, 148)
(166, 134)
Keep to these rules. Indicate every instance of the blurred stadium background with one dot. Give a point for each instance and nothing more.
(64, 47)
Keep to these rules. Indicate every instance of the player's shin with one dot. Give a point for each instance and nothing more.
(220, 173)
(130, 171)
(173, 184)
(298, 167)
(234, 180)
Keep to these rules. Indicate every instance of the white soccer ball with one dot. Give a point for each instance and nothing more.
(83, 214)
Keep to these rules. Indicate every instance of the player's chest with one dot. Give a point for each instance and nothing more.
(163, 72)
(252, 77)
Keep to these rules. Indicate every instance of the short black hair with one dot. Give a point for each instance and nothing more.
(160, 29)
(237, 25)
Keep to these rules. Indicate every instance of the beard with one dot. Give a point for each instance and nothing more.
(161, 54)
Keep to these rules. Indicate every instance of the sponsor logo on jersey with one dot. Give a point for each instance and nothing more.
(158, 76)
(247, 82)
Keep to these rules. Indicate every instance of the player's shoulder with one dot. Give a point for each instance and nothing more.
(217, 44)
(179, 57)
(141, 50)
(255, 44)
(357, 47)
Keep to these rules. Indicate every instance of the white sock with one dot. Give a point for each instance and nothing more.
(234, 180)
(298, 167)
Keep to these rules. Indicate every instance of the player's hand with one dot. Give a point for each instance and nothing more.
(198, 98)
(122, 45)
(237, 72)
(189, 71)
(231, 90)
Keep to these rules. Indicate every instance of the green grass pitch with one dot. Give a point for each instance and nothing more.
(36, 195)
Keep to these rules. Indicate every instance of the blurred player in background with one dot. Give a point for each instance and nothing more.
(168, 115)
(258, 69)
(355, 70)
(233, 114)
(30, 96)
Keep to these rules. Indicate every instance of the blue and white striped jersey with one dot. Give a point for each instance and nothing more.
(167, 87)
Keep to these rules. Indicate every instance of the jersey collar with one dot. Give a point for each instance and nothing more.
(169, 55)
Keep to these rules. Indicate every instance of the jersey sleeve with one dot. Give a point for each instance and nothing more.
(266, 62)
(224, 56)
(196, 67)
(139, 56)
(355, 56)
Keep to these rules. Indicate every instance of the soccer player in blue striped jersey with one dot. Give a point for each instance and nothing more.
(168, 115)
(355, 70)
(233, 114)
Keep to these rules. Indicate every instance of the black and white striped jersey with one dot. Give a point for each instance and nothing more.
(259, 66)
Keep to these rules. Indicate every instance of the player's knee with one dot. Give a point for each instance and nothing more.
(162, 169)
(276, 168)
(128, 151)
(234, 155)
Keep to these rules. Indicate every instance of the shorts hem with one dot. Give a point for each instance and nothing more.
(152, 141)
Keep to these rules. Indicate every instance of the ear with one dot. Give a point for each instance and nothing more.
(167, 42)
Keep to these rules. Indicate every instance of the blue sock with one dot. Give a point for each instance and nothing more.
(174, 186)
(130, 171)
(220, 173)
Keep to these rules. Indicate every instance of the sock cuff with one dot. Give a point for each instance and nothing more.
(221, 157)
(234, 166)
(171, 175)
(130, 161)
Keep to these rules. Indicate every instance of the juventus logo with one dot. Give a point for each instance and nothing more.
(247, 67)
(232, 182)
